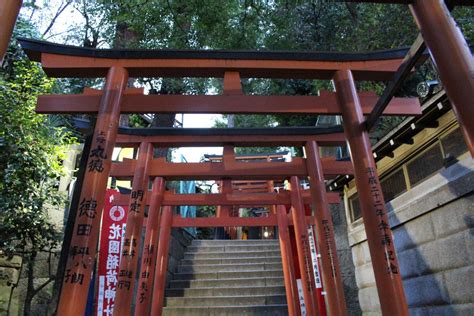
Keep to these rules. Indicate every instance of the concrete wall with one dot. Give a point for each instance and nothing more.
(433, 226)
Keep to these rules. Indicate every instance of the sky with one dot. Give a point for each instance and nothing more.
(194, 154)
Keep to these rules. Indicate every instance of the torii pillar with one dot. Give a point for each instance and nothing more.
(325, 232)
(83, 249)
(9, 10)
(147, 270)
(379, 235)
(453, 59)
(133, 233)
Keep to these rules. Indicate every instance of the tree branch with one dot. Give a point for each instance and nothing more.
(58, 13)
(175, 20)
(39, 288)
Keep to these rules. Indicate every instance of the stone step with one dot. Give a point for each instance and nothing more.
(218, 242)
(241, 259)
(221, 255)
(229, 267)
(226, 300)
(229, 291)
(227, 283)
(227, 275)
(261, 310)
(232, 248)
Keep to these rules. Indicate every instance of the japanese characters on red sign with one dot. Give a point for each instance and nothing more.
(111, 237)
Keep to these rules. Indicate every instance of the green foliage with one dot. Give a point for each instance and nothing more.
(318, 25)
(464, 17)
(30, 163)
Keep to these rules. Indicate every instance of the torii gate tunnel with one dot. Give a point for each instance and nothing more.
(456, 69)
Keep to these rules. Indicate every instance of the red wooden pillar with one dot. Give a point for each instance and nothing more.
(83, 246)
(133, 232)
(271, 189)
(9, 10)
(325, 233)
(320, 297)
(302, 247)
(228, 157)
(226, 188)
(162, 262)
(291, 288)
(147, 271)
(453, 59)
(372, 203)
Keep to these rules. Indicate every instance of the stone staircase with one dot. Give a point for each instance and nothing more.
(228, 277)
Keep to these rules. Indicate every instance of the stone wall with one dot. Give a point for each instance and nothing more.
(9, 275)
(433, 227)
(345, 259)
(45, 266)
(180, 239)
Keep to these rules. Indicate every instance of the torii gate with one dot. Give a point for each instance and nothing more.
(442, 38)
(69, 61)
(246, 170)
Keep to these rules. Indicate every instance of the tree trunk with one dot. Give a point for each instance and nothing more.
(30, 289)
(163, 120)
(125, 38)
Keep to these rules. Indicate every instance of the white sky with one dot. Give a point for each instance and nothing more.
(194, 154)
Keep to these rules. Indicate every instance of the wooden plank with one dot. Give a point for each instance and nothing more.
(84, 67)
(70, 61)
(263, 187)
(230, 170)
(243, 199)
(178, 221)
(326, 104)
(333, 139)
(416, 51)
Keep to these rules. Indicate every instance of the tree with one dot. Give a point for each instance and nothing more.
(322, 26)
(30, 164)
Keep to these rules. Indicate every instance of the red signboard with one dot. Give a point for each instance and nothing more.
(114, 219)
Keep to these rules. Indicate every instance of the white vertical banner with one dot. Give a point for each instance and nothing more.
(301, 297)
(100, 299)
(314, 258)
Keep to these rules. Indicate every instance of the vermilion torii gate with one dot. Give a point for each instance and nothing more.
(335, 294)
(118, 65)
(72, 61)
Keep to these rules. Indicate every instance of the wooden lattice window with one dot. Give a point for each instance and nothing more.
(355, 208)
(453, 144)
(425, 165)
(393, 185)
